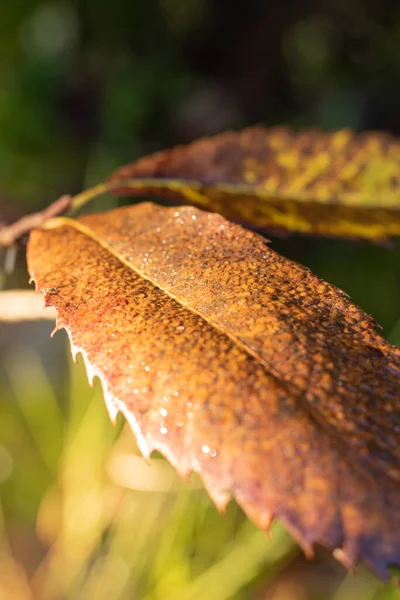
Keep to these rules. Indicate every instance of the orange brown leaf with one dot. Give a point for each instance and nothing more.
(239, 364)
(339, 184)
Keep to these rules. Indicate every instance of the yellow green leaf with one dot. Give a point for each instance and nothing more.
(340, 184)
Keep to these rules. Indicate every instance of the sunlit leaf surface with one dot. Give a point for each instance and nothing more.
(238, 364)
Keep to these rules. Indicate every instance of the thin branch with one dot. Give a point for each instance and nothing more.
(23, 305)
(12, 233)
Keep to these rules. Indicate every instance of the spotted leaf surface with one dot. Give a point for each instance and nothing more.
(339, 184)
(236, 363)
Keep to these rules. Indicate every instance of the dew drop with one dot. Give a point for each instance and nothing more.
(205, 449)
(194, 217)
(180, 328)
(163, 430)
(147, 368)
(163, 412)
(194, 462)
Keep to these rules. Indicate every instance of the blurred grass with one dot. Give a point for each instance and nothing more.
(85, 536)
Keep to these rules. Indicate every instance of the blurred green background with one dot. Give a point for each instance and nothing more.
(86, 86)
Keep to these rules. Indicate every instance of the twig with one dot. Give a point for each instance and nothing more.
(23, 305)
(12, 233)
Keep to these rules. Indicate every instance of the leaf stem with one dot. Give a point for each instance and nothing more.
(84, 197)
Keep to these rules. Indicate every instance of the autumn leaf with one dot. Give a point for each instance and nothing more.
(339, 184)
(236, 363)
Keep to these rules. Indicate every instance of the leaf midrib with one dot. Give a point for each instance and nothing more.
(346, 452)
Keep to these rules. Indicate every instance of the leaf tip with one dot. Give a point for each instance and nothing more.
(308, 550)
(220, 497)
(144, 446)
(74, 350)
(111, 407)
(57, 327)
(345, 558)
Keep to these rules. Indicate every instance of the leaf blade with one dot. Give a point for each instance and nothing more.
(340, 184)
(279, 368)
